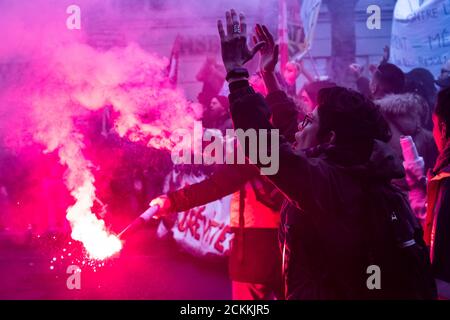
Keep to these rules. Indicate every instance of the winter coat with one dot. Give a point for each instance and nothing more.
(324, 252)
(255, 257)
(404, 113)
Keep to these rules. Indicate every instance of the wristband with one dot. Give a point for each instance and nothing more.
(237, 73)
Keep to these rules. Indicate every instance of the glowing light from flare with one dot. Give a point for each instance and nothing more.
(88, 229)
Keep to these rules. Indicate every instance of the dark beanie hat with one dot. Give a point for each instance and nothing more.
(392, 77)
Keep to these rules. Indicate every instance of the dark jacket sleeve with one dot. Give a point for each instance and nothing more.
(225, 181)
(441, 260)
(297, 176)
(285, 114)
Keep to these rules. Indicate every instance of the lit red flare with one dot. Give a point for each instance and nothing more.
(88, 229)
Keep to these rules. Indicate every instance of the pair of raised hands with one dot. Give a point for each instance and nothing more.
(235, 53)
(235, 50)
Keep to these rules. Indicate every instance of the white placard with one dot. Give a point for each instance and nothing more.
(421, 34)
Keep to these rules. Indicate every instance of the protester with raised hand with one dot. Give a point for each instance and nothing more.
(338, 188)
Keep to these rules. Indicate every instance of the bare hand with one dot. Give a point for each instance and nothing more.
(269, 52)
(165, 207)
(357, 70)
(235, 51)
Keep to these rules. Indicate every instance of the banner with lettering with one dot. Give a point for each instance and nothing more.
(203, 231)
(421, 34)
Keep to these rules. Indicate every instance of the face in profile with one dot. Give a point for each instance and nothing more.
(308, 129)
(216, 106)
(306, 102)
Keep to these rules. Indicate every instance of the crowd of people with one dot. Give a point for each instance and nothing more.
(363, 180)
(355, 194)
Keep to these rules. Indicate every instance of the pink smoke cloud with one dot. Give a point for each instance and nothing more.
(63, 79)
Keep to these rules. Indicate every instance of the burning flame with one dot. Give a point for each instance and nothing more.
(87, 228)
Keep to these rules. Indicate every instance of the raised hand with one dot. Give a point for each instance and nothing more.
(357, 70)
(269, 52)
(235, 51)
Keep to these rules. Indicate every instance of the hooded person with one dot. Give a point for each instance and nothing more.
(405, 113)
(338, 189)
(333, 186)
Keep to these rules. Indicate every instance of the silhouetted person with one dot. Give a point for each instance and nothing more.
(437, 227)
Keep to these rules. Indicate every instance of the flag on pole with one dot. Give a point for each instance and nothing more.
(283, 37)
(309, 15)
(172, 68)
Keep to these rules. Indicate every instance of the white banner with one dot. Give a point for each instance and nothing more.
(421, 34)
(202, 231)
